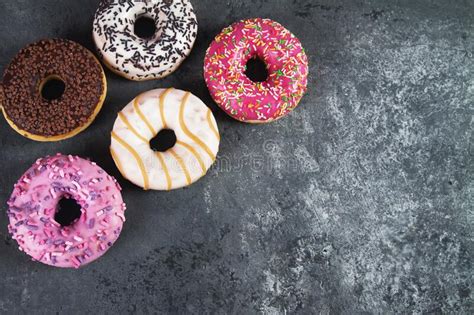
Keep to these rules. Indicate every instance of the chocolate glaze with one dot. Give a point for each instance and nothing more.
(73, 64)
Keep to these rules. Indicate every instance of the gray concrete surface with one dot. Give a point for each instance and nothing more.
(360, 202)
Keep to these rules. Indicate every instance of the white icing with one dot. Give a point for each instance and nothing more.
(195, 119)
(144, 59)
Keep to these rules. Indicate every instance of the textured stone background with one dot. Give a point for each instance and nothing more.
(361, 201)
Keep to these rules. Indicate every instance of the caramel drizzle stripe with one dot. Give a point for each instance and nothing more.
(136, 106)
(117, 162)
(162, 106)
(188, 132)
(165, 169)
(213, 128)
(137, 158)
(129, 126)
(181, 164)
(196, 155)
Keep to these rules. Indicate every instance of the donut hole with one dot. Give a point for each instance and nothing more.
(52, 88)
(145, 27)
(256, 70)
(163, 141)
(68, 212)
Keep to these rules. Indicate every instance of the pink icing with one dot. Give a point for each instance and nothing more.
(34, 201)
(234, 92)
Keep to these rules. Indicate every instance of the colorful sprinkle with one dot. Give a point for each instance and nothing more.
(234, 92)
(33, 205)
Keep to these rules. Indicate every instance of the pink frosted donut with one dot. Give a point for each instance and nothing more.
(34, 203)
(287, 66)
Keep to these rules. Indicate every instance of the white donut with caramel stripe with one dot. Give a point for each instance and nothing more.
(195, 150)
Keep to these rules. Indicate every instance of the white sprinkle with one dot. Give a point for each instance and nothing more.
(76, 184)
(121, 216)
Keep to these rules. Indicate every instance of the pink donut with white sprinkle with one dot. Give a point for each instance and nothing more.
(286, 62)
(34, 203)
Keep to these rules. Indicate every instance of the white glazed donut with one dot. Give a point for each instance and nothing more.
(197, 139)
(141, 59)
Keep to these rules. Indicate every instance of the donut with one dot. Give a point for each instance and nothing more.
(27, 76)
(286, 62)
(195, 148)
(33, 206)
(153, 57)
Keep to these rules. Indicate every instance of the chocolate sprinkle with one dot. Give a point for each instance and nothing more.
(138, 58)
(67, 60)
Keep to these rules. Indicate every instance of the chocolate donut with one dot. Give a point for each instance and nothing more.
(67, 63)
